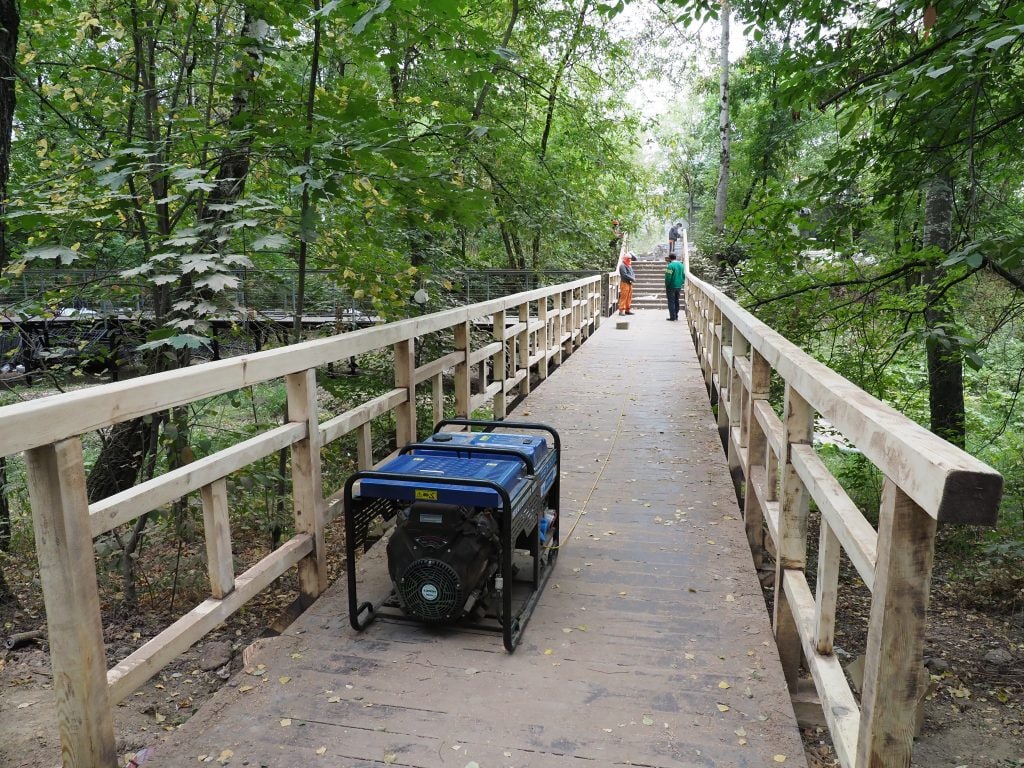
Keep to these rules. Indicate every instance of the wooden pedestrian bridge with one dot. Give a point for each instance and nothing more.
(650, 646)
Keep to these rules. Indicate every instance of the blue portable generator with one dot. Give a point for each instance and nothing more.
(468, 508)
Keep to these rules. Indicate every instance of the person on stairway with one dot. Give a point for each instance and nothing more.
(673, 236)
(674, 278)
(628, 277)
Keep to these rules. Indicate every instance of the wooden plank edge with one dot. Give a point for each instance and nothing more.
(771, 425)
(136, 669)
(947, 482)
(431, 369)
(837, 700)
(855, 533)
(341, 425)
(479, 355)
(107, 514)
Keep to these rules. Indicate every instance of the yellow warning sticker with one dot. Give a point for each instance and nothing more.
(424, 495)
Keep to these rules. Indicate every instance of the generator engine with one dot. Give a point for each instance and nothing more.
(441, 558)
(475, 532)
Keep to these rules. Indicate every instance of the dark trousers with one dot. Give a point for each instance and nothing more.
(673, 303)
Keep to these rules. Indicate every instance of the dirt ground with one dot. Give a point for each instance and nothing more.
(973, 715)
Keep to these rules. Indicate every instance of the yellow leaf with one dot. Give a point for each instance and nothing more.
(225, 756)
(322, 751)
(723, 707)
(159, 718)
(283, 680)
(285, 722)
(779, 758)
(245, 688)
(723, 685)
(334, 699)
(548, 652)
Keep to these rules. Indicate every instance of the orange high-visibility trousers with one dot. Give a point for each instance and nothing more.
(625, 296)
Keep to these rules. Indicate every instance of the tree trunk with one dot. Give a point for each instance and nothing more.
(945, 357)
(722, 193)
(549, 117)
(9, 22)
(308, 205)
(5, 509)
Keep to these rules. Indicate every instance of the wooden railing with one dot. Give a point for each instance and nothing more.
(778, 473)
(532, 331)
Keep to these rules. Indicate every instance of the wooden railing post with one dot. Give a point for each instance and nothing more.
(463, 371)
(738, 397)
(544, 334)
(523, 363)
(725, 376)
(405, 414)
(798, 428)
(757, 453)
(217, 528)
(499, 362)
(67, 572)
(307, 486)
(364, 446)
(556, 339)
(437, 397)
(892, 667)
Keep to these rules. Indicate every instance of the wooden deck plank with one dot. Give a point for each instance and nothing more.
(652, 619)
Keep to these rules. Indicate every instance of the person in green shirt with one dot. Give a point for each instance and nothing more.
(674, 279)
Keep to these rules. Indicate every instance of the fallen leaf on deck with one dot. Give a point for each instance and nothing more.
(723, 707)
(647, 720)
(225, 756)
(283, 680)
(779, 758)
(285, 722)
(322, 751)
(723, 685)
(244, 688)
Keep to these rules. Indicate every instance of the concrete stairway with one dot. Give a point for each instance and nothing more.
(649, 289)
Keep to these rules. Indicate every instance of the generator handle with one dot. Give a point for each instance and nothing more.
(491, 425)
(487, 449)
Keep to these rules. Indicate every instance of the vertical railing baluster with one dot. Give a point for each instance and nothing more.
(827, 588)
(217, 529)
(544, 333)
(798, 426)
(307, 487)
(364, 446)
(437, 397)
(498, 364)
(757, 455)
(463, 371)
(405, 413)
(523, 364)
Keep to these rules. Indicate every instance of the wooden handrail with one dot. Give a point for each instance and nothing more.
(778, 473)
(948, 483)
(548, 324)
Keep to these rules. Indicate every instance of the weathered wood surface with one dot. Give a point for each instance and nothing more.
(949, 484)
(652, 619)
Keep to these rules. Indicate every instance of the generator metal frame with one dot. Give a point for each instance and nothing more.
(511, 626)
